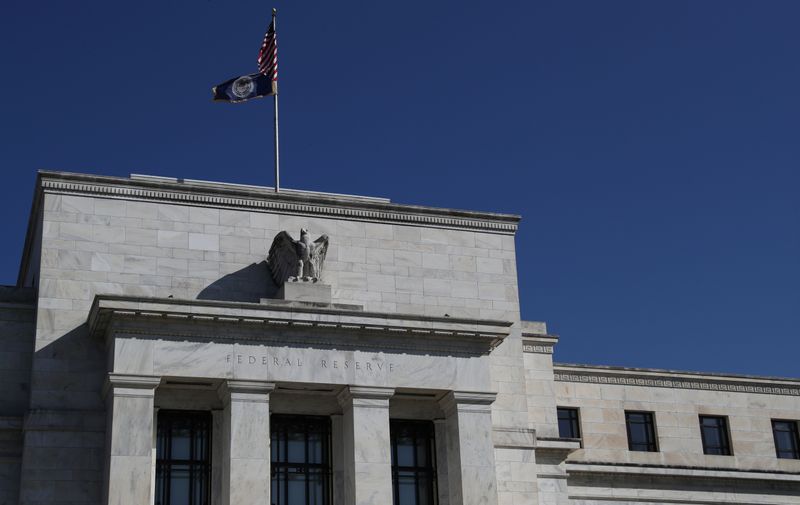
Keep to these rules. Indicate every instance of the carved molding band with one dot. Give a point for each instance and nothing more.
(372, 212)
(537, 348)
(707, 384)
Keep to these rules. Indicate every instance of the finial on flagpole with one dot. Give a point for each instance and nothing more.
(274, 11)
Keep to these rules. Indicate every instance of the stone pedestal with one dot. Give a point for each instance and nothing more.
(305, 291)
(129, 439)
(471, 468)
(245, 442)
(366, 445)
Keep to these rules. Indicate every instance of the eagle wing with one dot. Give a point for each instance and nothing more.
(318, 254)
(282, 257)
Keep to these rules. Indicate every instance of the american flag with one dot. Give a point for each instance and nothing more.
(268, 54)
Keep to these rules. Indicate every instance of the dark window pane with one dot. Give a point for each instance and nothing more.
(183, 461)
(787, 445)
(568, 426)
(300, 460)
(413, 471)
(641, 431)
(714, 434)
(405, 451)
(179, 448)
(406, 490)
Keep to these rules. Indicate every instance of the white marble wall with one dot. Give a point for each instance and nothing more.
(366, 445)
(245, 443)
(470, 449)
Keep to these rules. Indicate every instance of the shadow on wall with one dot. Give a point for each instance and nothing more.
(250, 284)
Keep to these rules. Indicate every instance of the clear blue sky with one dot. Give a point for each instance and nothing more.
(652, 147)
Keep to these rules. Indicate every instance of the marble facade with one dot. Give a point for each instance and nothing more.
(143, 294)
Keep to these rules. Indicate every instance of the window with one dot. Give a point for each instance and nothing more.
(787, 445)
(300, 460)
(714, 433)
(183, 458)
(568, 426)
(641, 431)
(413, 463)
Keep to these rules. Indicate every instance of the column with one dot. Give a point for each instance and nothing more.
(245, 442)
(366, 445)
(129, 439)
(470, 451)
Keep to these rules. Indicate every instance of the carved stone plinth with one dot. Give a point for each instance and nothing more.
(305, 291)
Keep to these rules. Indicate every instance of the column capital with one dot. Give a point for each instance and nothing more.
(467, 401)
(245, 390)
(131, 385)
(350, 394)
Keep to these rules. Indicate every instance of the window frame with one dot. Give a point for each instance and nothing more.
(325, 467)
(426, 429)
(166, 418)
(652, 446)
(795, 451)
(725, 435)
(574, 422)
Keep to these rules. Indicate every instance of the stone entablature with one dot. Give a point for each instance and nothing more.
(648, 377)
(395, 331)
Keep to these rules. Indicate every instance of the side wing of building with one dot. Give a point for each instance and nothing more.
(655, 436)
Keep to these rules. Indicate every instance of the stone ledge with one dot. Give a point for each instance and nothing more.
(407, 330)
(671, 471)
(514, 438)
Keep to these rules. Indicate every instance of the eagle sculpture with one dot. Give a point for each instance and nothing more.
(292, 260)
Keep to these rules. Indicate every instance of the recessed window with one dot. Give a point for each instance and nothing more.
(641, 431)
(301, 468)
(787, 445)
(714, 433)
(413, 463)
(568, 424)
(183, 458)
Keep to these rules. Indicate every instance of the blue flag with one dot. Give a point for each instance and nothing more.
(243, 88)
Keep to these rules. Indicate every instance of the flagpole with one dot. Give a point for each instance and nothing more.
(275, 97)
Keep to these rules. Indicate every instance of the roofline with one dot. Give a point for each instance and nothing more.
(36, 202)
(673, 374)
(289, 201)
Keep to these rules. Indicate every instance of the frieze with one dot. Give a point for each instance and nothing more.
(341, 363)
(676, 383)
(538, 349)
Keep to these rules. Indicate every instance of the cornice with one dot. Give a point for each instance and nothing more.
(255, 198)
(168, 316)
(676, 380)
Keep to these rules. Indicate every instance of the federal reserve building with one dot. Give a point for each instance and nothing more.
(180, 342)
